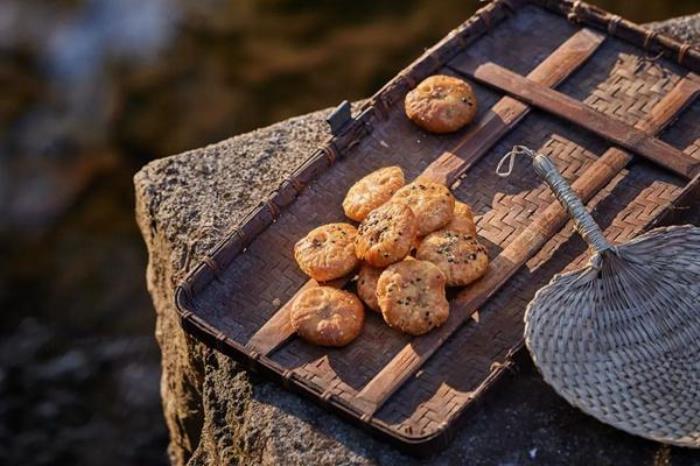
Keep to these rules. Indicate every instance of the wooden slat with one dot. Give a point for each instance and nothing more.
(673, 103)
(513, 256)
(580, 114)
(503, 116)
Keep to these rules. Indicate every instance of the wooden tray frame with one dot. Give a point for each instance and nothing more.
(526, 93)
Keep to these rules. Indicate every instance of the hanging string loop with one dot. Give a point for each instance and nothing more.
(510, 158)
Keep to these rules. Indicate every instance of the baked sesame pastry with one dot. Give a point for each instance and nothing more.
(458, 255)
(372, 191)
(411, 296)
(326, 316)
(441, 104)
(327, 252)
(432, 203)
(386, 235)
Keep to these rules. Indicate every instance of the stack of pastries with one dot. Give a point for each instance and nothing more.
(413, 241)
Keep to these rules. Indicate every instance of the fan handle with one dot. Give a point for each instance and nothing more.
(585, 225)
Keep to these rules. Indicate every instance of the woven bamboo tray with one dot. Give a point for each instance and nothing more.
(610, 102)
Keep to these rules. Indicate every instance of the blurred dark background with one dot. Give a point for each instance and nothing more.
(90, 90)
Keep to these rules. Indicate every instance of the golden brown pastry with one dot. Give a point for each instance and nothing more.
(372, 191)
(327, 316)
(463, 220)
(458, 255)
(411, 296)
(386, 235)
(367, 285)
(441, 104)
(432, 203)
(327, 252)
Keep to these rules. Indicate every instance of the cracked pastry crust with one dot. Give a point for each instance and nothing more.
(411, 296)
(432, 203)
(386, 235)
(441, 104)
(327, 316)
(463, 220)
(327, 252)
(458, 255)
(372, 191)
(367, 285)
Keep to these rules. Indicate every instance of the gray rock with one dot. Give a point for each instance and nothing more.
(217, 413)
(684, 28)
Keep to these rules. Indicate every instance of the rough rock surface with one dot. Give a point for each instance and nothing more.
(683, 28)
(217, 413)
